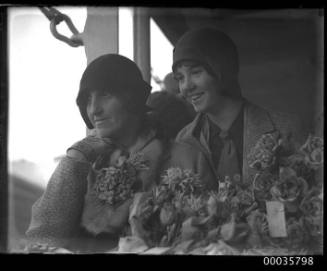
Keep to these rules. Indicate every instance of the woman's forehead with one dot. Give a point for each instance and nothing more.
(92, 92)
(100, 90)
(187, 64)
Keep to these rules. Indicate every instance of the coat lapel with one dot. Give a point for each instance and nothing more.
(256, 123)
(195, 137)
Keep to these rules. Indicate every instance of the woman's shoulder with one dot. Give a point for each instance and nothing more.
(285, 122)
(275, 114)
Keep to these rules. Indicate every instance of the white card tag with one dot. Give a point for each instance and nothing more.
(276, 218)
(223, 191)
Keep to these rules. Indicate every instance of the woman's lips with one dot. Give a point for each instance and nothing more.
(99, 121)
(196, 97)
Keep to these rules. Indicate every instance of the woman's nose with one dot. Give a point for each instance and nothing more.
(95, 106)
(187, 86)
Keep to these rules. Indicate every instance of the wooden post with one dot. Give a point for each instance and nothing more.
(142, 42)
(100, 34)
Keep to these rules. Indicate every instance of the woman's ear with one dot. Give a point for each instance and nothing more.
(218, 78)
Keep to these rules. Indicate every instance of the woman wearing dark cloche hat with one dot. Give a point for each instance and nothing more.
(206, 66)
(78, 210)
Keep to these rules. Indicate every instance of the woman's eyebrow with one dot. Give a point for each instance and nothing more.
(192, 65)
(195, 65)
(189, 66)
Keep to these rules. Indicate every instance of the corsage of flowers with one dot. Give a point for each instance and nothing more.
(313, 151)
(115, 184)
(262, 156)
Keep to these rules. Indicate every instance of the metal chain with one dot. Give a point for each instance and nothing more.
(56, 17)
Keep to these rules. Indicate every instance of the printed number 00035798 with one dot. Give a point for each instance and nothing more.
(290, 260)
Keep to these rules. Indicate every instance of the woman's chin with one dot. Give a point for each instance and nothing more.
(204, 108)
(198, 109)
(104, 133)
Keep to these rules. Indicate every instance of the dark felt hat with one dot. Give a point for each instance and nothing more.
(117, 75)
(215, 50)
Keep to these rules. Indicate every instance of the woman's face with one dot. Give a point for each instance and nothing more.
(107, 114)
(198, 86)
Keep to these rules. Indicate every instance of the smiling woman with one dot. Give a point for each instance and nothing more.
(206, 65)
(102, 84)
(107, 115)
(198, 87)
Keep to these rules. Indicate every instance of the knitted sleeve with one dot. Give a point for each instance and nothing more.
(56, 215)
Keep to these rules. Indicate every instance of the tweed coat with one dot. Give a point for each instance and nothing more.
(189, 152)
(67, 210)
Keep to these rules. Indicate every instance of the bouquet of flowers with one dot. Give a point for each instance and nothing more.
(280, 211)
(157, 216)
(183, 215)
(290, 178)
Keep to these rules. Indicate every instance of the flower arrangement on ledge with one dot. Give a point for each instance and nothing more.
(279, 212)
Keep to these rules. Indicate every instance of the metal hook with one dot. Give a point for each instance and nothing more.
(56, 17)
(75, 40)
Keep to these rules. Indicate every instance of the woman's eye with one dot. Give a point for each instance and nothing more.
(178, 78)
(105, 94)
(196, 71)
(88, 99)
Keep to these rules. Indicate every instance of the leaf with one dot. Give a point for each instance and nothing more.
(172, 231)
(189, 231)
(136, 214)
(213, 234)
(291, 207)
(167, 214)
(157, 250)
(199, 221)
(131, 244)
(212, 206)
(62, 251)
(242, 230)
(286, 173)
(183, 247)
(98, 217)
(227, 230)
(220, 248)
